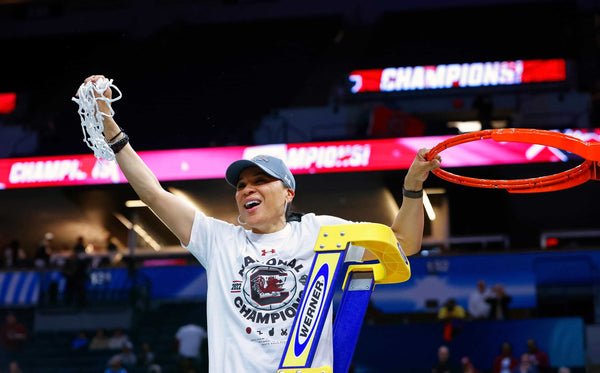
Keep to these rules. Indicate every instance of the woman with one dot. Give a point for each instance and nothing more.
(257, 270)
(525, 366)
(506, 362)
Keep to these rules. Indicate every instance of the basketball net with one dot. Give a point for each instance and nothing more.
(87, 98)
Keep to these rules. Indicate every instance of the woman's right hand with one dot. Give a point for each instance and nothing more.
(107, 93)
(110, 126)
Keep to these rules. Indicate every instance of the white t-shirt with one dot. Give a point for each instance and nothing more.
(117, 342)
(478, 307)
(254, 289)
(190, 338)
(505, 365)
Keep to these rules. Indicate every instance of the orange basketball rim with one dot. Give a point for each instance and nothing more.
(588, 170)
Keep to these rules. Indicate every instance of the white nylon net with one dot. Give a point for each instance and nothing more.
(91, 116)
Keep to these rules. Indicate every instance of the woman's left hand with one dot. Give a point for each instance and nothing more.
(419, 170)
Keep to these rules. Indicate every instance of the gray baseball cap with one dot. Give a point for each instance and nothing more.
(269, 164)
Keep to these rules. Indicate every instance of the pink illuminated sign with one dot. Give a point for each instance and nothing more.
(478, 74)
(8, 102)
(306, 158)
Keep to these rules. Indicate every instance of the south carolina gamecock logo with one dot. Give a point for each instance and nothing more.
(268, 287)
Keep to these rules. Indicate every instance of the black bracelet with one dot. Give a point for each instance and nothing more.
(119, 144)
(412, 193)
(115, 136)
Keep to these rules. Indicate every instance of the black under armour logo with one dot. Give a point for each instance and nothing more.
(284, 332)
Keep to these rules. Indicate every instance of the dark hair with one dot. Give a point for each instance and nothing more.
(450, 304)
(292, 215)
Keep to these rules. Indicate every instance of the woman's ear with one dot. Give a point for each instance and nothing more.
(290, 195)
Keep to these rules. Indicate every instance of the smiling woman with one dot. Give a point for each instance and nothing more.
(257, 271)
(265, 189)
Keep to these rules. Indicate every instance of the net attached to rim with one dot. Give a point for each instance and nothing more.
(588, 170)
(87, 98)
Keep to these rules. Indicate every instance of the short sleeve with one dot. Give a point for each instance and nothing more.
(205, 236)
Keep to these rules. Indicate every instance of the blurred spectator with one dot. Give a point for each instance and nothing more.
(13, 335)
(478, 307)
(116, 367)
(14, 255)
(506, 362)
(525, 366)
(564, 370)
(75, 272)
(451, 311)
(467, 365)
(118, 339)
(538, 357)
(452, 314)
(80, 342)
(79, 247)
(13, 367)
(100, 341)
(111, 247)
(126, 357)
(499, 303)
(154, 368)
(146, 356)
(113, 252)
(188, 341)
(44, 251)
(443, 365)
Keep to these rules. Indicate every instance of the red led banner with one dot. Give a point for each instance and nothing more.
(306, 158)
(479, 74)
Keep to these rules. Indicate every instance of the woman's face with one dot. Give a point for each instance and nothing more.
(261, 200)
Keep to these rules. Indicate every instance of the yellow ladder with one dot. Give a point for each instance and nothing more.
(359, 281)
